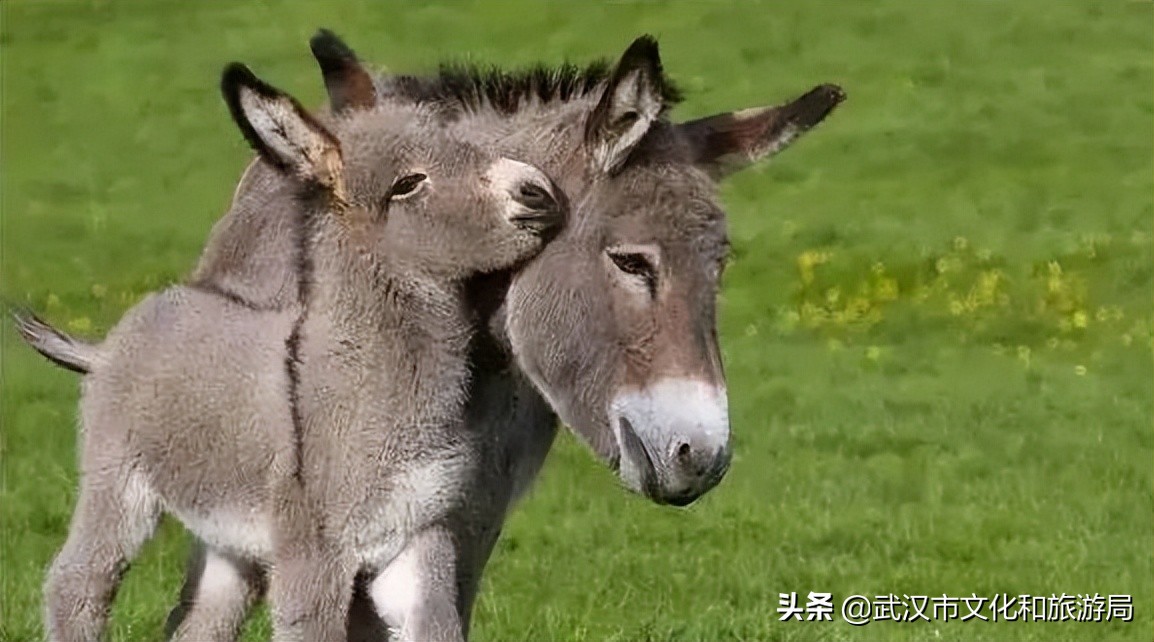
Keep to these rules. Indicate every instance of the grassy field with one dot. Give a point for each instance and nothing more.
(937, 327)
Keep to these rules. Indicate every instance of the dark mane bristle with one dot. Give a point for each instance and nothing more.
(471, 87)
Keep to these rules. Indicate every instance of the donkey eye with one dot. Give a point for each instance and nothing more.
(637, 265)
(405, 185)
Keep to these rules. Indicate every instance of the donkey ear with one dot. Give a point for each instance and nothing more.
(725, 143)
(349, 85)
(281, 130)
(635, 96)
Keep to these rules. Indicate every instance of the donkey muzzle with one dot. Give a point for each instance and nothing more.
(673, 438)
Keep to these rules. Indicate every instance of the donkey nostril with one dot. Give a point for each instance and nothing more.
(535, 197)
(530, 190)
(692, 462)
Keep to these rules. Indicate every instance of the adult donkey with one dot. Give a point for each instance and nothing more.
(612, 328)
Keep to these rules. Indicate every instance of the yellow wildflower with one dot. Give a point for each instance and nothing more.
(887, 290)
(1024, 354)
(807, 260)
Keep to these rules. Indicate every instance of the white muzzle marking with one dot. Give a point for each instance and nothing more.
(663, 416)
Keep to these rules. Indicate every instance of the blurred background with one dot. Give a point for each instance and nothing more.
(937, 324)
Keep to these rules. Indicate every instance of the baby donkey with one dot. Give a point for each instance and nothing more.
(321, 441)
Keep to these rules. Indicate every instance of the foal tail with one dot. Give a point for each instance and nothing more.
(58, 347)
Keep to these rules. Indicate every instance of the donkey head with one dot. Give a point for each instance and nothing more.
(396, 191)
(615, 323)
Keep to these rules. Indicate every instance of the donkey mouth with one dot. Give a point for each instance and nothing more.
(638, 454)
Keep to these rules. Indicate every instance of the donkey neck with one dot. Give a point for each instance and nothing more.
(374, 304)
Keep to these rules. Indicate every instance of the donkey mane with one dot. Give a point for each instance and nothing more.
(468, 86)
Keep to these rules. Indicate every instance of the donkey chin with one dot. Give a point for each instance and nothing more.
(673, 438)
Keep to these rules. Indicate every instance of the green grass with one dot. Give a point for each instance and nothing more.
(937, 326)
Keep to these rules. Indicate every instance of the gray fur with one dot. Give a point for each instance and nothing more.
(652, 197)
(191, 408)
(573, 327)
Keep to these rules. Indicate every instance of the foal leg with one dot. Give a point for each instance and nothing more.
(219, 589)
(309, 592)
(416, 594)
(115, 514)
(312, 577)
